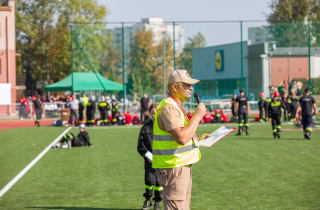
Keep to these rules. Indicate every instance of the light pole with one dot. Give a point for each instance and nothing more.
(272, 48)
(289, 53)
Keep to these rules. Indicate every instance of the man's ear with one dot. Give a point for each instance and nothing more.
(174, 87)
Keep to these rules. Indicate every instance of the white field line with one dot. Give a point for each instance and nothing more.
(25, 170)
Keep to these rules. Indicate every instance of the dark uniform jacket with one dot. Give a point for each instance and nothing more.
(145, 139)
(84, 138)
(275, 107)
(114, 106)
(267, 103)
(81, 107)
(294, 102)
(91, 106)
(306, 103)
(103, 106)
(261, 103)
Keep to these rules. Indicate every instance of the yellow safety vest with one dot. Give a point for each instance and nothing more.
(167, 153)
(85, 101)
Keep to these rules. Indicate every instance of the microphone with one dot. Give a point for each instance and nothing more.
(197, 97)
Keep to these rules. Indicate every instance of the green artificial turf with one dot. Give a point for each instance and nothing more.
(247, 172)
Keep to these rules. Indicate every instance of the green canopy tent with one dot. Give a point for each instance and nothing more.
(84, 81)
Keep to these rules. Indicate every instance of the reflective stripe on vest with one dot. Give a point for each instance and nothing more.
(167, 153)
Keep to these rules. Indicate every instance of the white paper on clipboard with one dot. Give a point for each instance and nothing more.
(215, 136)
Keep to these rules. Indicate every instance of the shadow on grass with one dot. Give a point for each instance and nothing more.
(77, 208)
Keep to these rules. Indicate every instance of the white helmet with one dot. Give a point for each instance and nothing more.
(82, 126)
(102, 98)
(81, 99)
(108, 98)
(92, 98)
(113, 97)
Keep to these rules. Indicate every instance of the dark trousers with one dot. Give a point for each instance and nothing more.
(114, 118)
(276, 123)
(307, 123)
(103, 117)
(267, 113)
(151, 183)
(235, 116)
(261, 114)
(38, 114)
(73, 116)
(293, 111)
(80, 116)
(74, 142)
(287, 112)
(243, 116)
(142, 114)
(90, 117)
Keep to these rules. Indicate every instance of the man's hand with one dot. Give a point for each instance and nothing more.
(203, 136)
(150, 161)
(200, 111)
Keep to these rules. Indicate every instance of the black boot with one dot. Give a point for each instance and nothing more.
(156, 206)
(147, 204)
(39, 124)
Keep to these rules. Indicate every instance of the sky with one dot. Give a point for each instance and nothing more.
(194, 10)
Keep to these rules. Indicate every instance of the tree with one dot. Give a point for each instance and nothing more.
(146, 63)
(43, 34)
(185, 60)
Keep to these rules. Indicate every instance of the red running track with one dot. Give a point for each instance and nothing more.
(22, 124)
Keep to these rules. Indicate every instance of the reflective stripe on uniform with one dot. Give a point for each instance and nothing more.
(246, 124)
(240, 124)
(174, 151)
(275, 130)
(279, 126)
(158, 188)
(149, 187)
(308, 129)
(162, 138)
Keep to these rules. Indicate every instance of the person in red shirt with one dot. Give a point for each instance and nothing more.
(223, 116)
(212, 114)
(207, 117)
(128, 117)
(189, 115)
(135, 120)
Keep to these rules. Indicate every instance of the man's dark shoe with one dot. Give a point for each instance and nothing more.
(307, 136)
(248, 134)
(274, 136)
(238, 134)
(146, 205)
(278, 136)
(156, 206)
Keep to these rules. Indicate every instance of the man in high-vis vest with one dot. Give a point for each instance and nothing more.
(174, 149)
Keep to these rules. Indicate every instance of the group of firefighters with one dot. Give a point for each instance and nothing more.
(274, 108)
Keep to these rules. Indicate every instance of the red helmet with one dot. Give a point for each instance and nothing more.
(216, 111)
(276, 94)
(207, 111)
(125, 112)
(221, 111)
(293, 94)
(190, 113)
(261, 94)
(273, 84)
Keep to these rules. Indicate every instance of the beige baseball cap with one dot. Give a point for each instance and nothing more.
(181, 76)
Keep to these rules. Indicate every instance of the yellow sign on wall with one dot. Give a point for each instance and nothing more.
(219, 60)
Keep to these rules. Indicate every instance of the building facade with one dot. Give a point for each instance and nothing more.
(219, 68)
(7, 56)
(258, 35)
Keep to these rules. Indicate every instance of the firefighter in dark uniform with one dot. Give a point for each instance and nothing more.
(103, 107)
(267, 102)
(233, 102)
(91, 108)
(114, 110)
(38, 105)
(261, 106)
(293, 106)
(243, 109)
(307, 102)
(286, 100)
(145, 150)
(217, 117)
(81, 108)
(275, 113)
